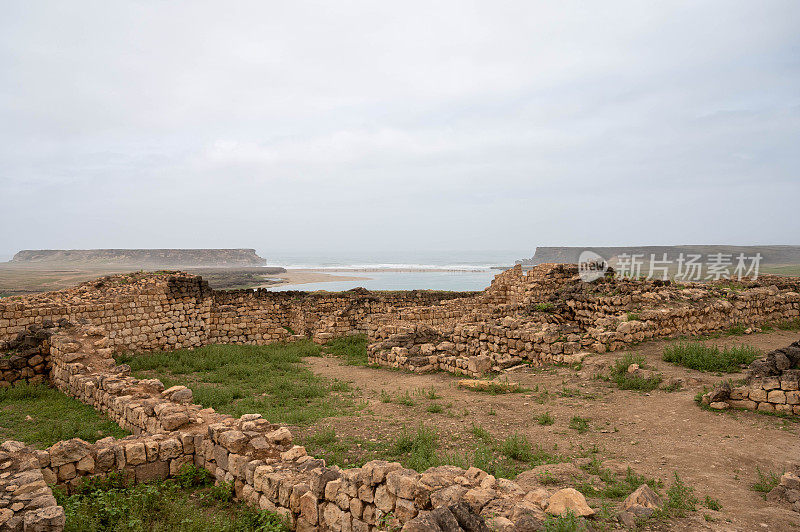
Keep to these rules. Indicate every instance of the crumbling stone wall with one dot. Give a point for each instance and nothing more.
(26, 502)
(539, 316)
(26, 356)
(772, 385)
(173, 310)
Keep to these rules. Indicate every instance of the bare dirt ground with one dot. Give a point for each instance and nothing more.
(656, 433)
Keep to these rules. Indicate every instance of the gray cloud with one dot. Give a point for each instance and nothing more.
(414, 125)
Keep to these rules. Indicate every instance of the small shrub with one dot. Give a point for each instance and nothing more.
(545, 418)
(543, 307)
(222, 492)
(435, 408)
(766, 481)
(633, 316)
(190, 476)
(680, 498)
(430, 394)
(579, 423)
(712, 504)
(701, 357)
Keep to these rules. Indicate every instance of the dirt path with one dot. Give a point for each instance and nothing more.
(656, 433)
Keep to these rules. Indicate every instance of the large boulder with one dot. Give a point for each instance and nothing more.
(568, 499)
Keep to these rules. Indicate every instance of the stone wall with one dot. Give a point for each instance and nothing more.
(772, 385)
(538, 316)
(146, 311)
(26, 502)
(27, 356)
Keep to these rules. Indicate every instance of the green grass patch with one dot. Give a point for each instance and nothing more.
(545, 418)
(240, 379)
(352, 349)
(434, 408)
(580, 424)
(189, 503)
(696, 355)
(789, 325)
(614, 487)
(41, 416)
(422, 448)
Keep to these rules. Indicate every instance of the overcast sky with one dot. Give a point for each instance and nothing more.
(338, 125)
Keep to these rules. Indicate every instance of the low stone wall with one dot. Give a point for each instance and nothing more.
(772, 385)
(26, 502)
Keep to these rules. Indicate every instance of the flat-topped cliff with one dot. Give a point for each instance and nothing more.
(144, 258)
(769, 254)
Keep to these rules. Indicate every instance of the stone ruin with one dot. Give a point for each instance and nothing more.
(68, 339)
(772, 385)
(549, 313)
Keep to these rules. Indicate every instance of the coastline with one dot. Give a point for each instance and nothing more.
(305, 277)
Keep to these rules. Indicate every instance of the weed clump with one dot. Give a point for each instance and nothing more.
(701, 357)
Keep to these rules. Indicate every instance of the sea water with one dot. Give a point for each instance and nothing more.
(411, 280)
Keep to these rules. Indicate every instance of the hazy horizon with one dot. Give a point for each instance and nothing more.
(314, 127)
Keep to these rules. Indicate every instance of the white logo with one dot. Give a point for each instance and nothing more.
(591, 266)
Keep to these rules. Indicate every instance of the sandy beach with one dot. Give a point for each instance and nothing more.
(307, 276)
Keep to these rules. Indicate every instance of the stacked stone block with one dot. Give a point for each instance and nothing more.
(26, 502)
(26, 356)
(772, 385)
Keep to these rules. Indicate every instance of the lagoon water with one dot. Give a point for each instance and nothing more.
(392, 280)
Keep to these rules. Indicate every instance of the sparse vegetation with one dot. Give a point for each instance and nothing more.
(568, 522)
(712, 504)
(579, 423)
(680, 498)
(614, 487)
(40, 416)
(633, 381)
(545, 418)
(789, 325)
(696, 355)
(766, 481)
